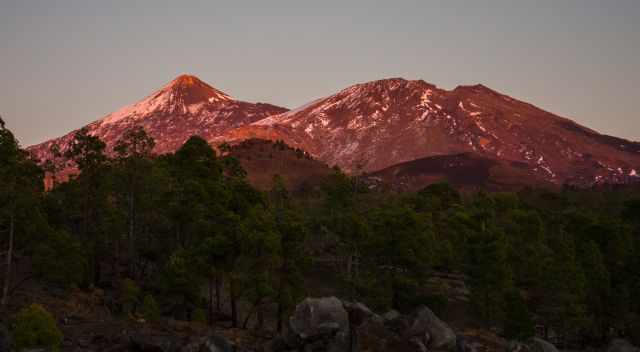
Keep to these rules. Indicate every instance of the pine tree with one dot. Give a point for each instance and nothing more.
(518, 324)
(21, 182)
(401, 249)
(134, 164)
(88, 154)
(292, 234)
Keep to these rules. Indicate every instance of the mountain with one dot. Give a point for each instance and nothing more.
(400, 128)
(184, 107)
(372, 126)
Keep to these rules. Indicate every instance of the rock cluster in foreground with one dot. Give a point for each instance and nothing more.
(331, 325)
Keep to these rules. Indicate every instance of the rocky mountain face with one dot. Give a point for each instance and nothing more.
(375, 125)
(183, 108)
(392, 126)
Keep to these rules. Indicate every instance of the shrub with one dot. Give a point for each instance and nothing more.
(36, 328)
(150, 309)
(129, 293)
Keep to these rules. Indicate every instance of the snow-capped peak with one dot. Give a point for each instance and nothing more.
(185, 94)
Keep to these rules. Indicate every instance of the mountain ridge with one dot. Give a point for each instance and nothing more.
(371, 126)
(386, 122)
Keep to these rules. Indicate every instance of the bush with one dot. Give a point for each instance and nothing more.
(36, 328)
(129, 293)
(150, 309)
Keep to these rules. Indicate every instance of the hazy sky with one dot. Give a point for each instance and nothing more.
(66, 63)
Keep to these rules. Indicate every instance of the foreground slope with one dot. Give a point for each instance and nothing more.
(466, 171)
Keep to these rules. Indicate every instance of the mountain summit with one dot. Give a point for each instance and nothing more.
(374, 125)
(184, 95)
(184, 107)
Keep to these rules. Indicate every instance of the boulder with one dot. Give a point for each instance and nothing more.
(412, 333)
(436, 333)
(464, 345)
(620, 345)
(540, 345)
(374, 336)
(327, 324)
(517, 346)
(317, 324)
(319, 316)
(358, 313)
(216, 343)
(391, 315)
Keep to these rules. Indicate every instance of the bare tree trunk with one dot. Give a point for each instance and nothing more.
(260, 317)
(280, 306)
(280, 312)
(355, 272)
(233, 302)
(210, 320)
(253, 310)
(115, 266)
(7, 278)
(218, 292)
(132, 238)
(257, 309)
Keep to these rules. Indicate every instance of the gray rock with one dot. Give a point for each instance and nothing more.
(517, 346)
(540, 345)
(391, 315)
(374, 336)
(358, 313)
(217, 343)
(620, 345)
(319, 316)
(463, 346)
(439, 335)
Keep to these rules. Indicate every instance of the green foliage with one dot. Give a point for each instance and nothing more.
(150, 310)
(190, 217)
(518, 324)
(36, 328)
(489, 274)
(564, 285)
(21, 185)
(129, 295)
(178, 281)
(401, 249)
(87, 152)
(60, 259)
(199, 316)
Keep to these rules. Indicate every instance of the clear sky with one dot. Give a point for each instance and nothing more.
(65, 63)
